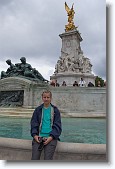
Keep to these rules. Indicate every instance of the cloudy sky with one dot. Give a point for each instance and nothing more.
(31, 28)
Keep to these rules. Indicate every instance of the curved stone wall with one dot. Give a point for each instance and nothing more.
(20, 150)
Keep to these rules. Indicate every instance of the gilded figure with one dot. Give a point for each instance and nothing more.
(70, 13)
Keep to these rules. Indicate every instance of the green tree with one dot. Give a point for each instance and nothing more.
(99, 79)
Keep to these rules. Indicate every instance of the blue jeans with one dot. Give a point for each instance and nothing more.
(49, 150)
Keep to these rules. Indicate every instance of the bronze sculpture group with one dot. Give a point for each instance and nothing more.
(22, 69)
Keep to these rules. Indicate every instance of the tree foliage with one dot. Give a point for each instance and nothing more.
(99, 79)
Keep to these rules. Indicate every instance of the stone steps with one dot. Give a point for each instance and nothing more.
(15, 109)
(16, 115)
(27, 113)
(16, 112)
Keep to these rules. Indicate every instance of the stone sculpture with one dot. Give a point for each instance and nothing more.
(11, 98)
(72, 64)
(68, 64)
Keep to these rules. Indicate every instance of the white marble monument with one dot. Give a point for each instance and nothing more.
(72, 64)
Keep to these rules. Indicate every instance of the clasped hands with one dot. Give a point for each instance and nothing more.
(46, 140)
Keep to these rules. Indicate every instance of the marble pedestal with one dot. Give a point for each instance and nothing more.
(72, 64)
(70, 78)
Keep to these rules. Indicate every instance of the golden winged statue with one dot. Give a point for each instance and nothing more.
(70, 13)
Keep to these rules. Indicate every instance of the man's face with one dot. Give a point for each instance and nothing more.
(46, 98)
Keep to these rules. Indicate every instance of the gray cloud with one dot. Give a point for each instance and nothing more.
(31, 28)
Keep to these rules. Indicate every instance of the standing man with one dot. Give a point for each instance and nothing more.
(45, 128)
(82, 83)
